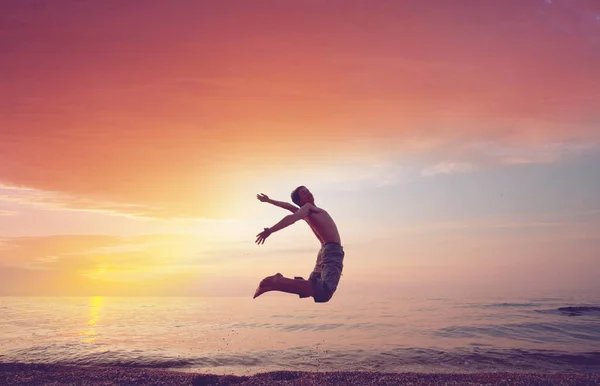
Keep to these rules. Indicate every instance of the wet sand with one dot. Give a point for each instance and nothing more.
(29, 374)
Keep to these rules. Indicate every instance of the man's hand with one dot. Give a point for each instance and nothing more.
(262, 197)
(262, 236)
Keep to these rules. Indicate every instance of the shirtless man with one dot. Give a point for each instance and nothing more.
(324, 279)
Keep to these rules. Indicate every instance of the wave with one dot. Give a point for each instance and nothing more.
(480, 360)
(511, 305)
(578, 311)
(549, 332)
(500, 305)
(309, 358)
(574, 311)
(310, 326)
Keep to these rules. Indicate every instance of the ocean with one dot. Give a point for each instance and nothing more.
(242, 336)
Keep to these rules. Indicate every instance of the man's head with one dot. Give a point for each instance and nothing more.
(301, 195)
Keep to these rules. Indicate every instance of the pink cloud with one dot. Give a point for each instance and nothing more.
(163, 113)
(448, 168)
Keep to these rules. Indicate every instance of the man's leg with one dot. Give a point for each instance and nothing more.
(278, 282)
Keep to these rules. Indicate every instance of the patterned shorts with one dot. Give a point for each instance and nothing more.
(327, 272)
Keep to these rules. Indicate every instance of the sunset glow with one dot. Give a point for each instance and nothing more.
(456, 144)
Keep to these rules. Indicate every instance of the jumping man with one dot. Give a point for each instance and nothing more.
(324, 279)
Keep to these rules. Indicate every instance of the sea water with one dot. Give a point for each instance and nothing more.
(239, 335)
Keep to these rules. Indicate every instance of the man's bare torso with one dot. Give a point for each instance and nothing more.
(323, 225)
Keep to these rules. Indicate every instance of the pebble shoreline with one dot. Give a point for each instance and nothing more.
(32, 374)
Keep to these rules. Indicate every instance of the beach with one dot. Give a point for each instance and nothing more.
(33, 374)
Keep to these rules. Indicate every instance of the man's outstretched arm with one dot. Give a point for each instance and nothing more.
(285, 205)
(286, 221)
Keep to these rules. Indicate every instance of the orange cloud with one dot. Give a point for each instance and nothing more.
(76, 263)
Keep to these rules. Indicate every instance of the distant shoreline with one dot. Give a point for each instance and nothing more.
(22, 373)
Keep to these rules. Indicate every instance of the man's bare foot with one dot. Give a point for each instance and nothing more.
(267, 284)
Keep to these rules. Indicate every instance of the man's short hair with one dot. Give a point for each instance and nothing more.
(296, 195)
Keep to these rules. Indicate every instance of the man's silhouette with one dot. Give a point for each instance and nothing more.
(324, 279)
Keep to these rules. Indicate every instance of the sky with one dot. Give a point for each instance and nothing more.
(456, 144)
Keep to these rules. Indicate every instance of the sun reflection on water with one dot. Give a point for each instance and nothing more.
(90, 334)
